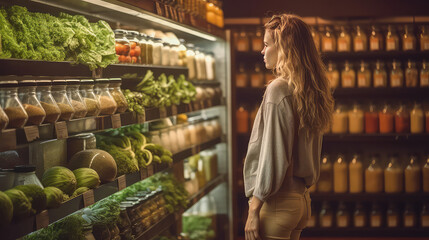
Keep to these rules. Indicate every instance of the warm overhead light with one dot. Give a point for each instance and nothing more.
(151, 18)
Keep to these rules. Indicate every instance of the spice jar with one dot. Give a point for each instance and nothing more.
(333, 75)
(425, 172)
(411, 74)
(374, 177)
(375, 39)
(242, 120)
(316, 37)
(326, 217)
(342, 216)
(386, 119)
(135, 49)
(325, 183)
(396, 75)
(339, 120)
(157, 51)
(241, 78)
(257, 41)
(242, 42)
(371, 119)
(348, 76)
(402, 119)
(413, 176)
(424, 74)
(416, 116)
(410, 216)
(356, 119)
(393, 177)
(364, 75)
(424, 38)
(392, 39)
(75, 98)
(108, 104)
(149, 49)
(424, 215)
(359, 40)
(59, 93)
(27, 93)
(122, 46)
(210, 66)
(89, 97)
(143, 47)
(190, 62)
(4, 120)
(379, 75)
(359, 216)
(392, 218)
(340, 175)
(356, 175)
(257, 77)
(118, 96)
(12, 106)
(47, 101)
(182, 53)
(408, 39)
(344, 40)
(328, 40)
(376, 217)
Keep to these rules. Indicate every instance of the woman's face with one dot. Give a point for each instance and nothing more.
(269, 51)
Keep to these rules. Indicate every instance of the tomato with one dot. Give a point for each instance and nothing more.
(126, 49)
(127, 59)
(133, 45)
(133, 60)
(132, 52)
(138, 51)
(119, 48)
(122, 58)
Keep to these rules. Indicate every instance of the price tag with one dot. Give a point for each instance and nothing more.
(150, 170)
(359, 45)
(88, 198)
(61, 130)
(374, 45)
(174, 110)
(42, 219)
(31, 133)
(122, 182)
(7, 139)
(141, 118)
(116, 120)
(162, 112)
(143, 173)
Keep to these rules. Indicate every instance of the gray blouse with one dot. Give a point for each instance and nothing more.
(280, 157)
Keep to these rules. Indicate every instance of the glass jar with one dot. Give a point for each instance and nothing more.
(122, 46)
(392, 39)
(75, 98)
(143, 47)
(424, 216)
(135, 49)
(379, 75)
(364, 76)
(376, 217)
(410, 216)
(424, 38)
(193, 133)
(359, 40)
(392, 216)
(356, 119)
(375, 39)
(149, 49)
(411, 74)
(241, 78)
(342, 216)
(182, 53)
(340, 175)
(425, 173)
(328, 40)
(402, 119)
(413, 176)
(217, 127)
(316, 37)
(190, 62)
(417, 119)
(80, 142)
(344, 40)
(424, 74)
(200, 64)
(165, 52)
(374, 176)
(201, 131)
(408, 39)
(181, 141)
(89, 97)
(210, 66)
(157, 51)
(325, 183)
(108, 104)
(339, 120)
(155, 137)
(165, 139)
(242, 116)
(174, 142)
(333, 75)
(59, 92)
(326, 216)
(257, 77)
(371, 119)
(47, 101)
(257, 41)
(348, 76)
(118, 96)
(393, 177)
(359, 216)
(27, 94)
(25, 175)
(242, 42)
(4, 120)
(12, 106)
(210, 129)
(396, 75)
(386, 119)
(355, 175)
(187, 131)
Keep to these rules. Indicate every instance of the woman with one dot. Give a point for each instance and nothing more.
(282, 161)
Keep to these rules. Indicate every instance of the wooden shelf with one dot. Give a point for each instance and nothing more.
(369, 197)
(376, 138)
(365, 232)
(206, 189)
(407, 94)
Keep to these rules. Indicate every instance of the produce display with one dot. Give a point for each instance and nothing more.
(61, 178)
(40, 36)
(86, 177)
(198, 227)
(54, 197)
(21, 204)
(6, 209)
(35, 195)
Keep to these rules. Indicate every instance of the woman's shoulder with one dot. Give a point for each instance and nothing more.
(277, 90)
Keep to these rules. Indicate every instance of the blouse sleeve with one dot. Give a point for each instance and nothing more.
(276, 148)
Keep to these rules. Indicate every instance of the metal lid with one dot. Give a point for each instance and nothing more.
(73, 81)
(120, 31)
(59, 82)
(8, 83)
(115, 79)
(24, 168)
(27, 83)
(134, 33)
(44, 82)
(102, 80)
(83, 136)
(86, 81)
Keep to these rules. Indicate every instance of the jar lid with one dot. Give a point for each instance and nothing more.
(86, 81)
(120, 31)
(24, 168)
(73, 81)
(44, 82)
(83, 136)
(115, 79)
(102, 80)
(9, 83)
(59, 82)
(134, 33)
(27, 83)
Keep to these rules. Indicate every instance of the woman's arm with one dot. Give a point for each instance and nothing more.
(252, 223)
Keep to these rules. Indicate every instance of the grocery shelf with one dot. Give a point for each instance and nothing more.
(208, 83)
(404, 93)
(368, 197)
(376, 138)
(206, 189)
(365, 232)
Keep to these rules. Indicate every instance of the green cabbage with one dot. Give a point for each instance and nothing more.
(36, 196)
(61, 178)
(6, 209)
(21, 204)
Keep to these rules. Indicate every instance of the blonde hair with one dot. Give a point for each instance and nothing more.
(300, 63)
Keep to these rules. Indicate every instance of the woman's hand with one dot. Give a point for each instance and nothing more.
(251, 230)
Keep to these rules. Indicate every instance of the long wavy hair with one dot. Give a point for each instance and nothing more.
(299, 62)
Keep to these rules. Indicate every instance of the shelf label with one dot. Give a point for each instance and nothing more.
(116, 120)
(42, 219)
(150, 170)
(61, 130)
(162, 112)
(88, 198)
(31, 133)
(174, 110)
(7, 139)
(141, 118)
(143, 173)
(122, 182)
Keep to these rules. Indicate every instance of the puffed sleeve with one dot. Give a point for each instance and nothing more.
(276, 148)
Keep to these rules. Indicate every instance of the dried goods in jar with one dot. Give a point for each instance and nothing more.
(408, 39)
(371, 120)
(411, 75)
(53, 112)
(375, 39)
(386, 119)
(35, 114)
(79, 109)
(402, 120)
(107, 105)
(328, 41)
(348, 76)
(392, 39)
(17, 116)
(379, 75)
(92, 106)
(424, 38)
(67, 111)
(344, 41)
(396, 75)
(424, 75)
(417, 116)
(364, 75)
(359, 40)
(4, 120)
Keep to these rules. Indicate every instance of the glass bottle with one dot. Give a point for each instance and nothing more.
(375, 39)
(340, 175)
(316, 37)
(344, 40)
(411, 74)
(348, 76)
(115, 91)
(257, 41)
(396, 75)
(413, 176)
(242, 120)
(242, 42)
(359, 40)
(257, 77)
(408, 39)
(393, 176)
(374, 176)
(12, 106)
(107, 102)
(425, 173)
(392, 39)
(325, 183)
(379, 75)
(424, 215)
(410, 216)
(241, 78)
(424, 38)
(356, 119)
(359, 216)
(356, 175)
(371, 119)
(376, 217)
(326, 216)
(392, 218)
(182, 53)
(339, 120)
(386, 119)
(328, 40)
(44, 94)
(59, 93)
(122, 46)
(149, 49)
(342, 216)
(364, 75)
(402, 119)
(157, 51)
(143, 48)
(135, 49)
(417, 116)
(190, 61)
(424, 74)
(333, 75)
(89, 97)
(75, 98)
(27, 94)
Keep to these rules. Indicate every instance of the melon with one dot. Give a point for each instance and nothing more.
(101, 161)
